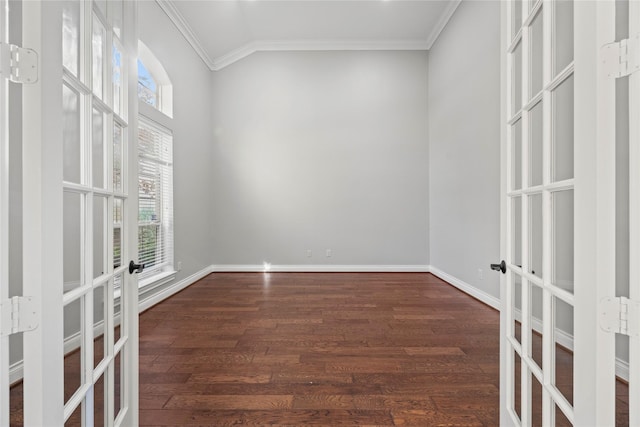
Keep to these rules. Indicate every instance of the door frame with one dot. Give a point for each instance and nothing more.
(4, 220)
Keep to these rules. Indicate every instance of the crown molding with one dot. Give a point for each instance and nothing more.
(444, 19)
(313, 45)
(181, 24)
(227, 59)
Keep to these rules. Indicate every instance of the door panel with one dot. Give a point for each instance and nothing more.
(82, 201)
(540, 167)
(572, 220)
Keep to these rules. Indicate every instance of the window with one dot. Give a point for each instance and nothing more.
(155, 169)
(155, 192)
(154, 87)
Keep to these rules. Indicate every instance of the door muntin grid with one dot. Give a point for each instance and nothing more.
(95, 191)
(539, 209)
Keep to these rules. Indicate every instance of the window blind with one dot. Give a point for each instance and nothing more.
(155, 195)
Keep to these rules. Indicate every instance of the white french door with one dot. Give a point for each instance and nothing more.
(79, 211)
(539, 204)
(571, 212)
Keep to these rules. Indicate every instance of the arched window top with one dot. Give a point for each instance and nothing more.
(154, 85)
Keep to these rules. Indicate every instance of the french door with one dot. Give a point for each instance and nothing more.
(79, 192)
(570, 212)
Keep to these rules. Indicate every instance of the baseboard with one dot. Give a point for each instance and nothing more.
(622, 369)
(322, 268)
(481, 296)
(151, 300)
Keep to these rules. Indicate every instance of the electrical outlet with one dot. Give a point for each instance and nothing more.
(480, 274)
(328, 253)
(179, 265)
(309, 253)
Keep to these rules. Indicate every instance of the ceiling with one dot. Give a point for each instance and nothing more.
(225, 31)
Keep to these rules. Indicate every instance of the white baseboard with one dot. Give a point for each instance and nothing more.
(321, 268)
(478, 294)
(622, 369)
(151, 300)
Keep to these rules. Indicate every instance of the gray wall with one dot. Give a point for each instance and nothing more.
(464, 146)
(317, 151)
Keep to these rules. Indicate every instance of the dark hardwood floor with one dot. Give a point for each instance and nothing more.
(294, 349)
(319, 349)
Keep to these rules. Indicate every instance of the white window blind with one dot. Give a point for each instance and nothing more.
(155, 191)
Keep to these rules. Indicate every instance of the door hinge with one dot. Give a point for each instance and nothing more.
(622, 58)
(18, 314)
(620, 315)
(18, 64)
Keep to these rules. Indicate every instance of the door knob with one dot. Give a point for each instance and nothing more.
(500, 267)
(135, 268)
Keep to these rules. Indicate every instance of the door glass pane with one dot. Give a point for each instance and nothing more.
(516, 86)
(535, 234)
(99, 236)
(516, 156)
(536, 55)
(118, 310)
(70, 36)
(71, 134)
(563, 334)
(562, 239)
(118, 383)
(72, 241)
(517, 306)
(99, 403)
(117, 79)
(535, 146)
(536, 401)
(116, 14)
(99, 301)
(75, 419)
(117, 158)
(117, 232)
(562, 142)
(563, 26)
(516, 233)
(102, 6)
(561, 419)
(517, 385)
(73, 366)
(516, 17)
(536, 323)
(98, 149)
(98, 47)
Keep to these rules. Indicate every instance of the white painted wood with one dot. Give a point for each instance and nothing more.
(507, 415)
(634, 215)
(129, 291)
(42, 179)
(593, 394)
(4, 220)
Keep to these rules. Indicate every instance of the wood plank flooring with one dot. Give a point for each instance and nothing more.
(321, 350)
(294, 349)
